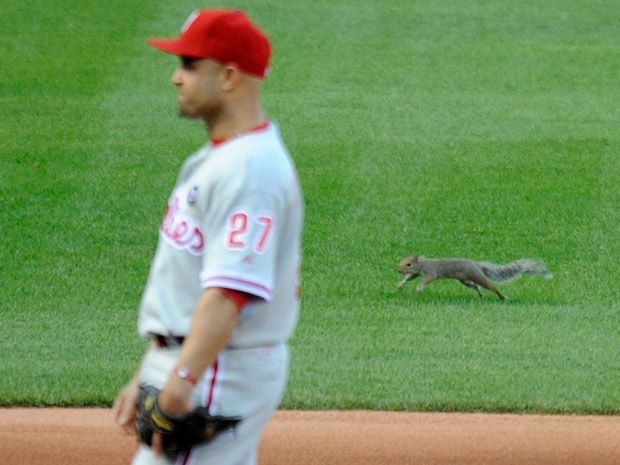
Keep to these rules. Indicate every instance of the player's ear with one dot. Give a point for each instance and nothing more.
(231, 77)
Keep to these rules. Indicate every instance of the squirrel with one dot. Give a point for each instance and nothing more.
(471, 273)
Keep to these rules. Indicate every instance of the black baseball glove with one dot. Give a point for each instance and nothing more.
(179, 433)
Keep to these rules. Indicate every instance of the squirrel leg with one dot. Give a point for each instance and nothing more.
(487, 283)
(426, 281)
(405, 280)
(472, 285)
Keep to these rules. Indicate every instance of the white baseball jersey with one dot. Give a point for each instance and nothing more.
(234, 220)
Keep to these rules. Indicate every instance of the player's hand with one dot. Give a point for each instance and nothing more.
(175, 403)
(174, 400)
(124, 409)
(175, 397)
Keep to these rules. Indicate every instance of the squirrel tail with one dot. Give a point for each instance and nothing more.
(514, 270)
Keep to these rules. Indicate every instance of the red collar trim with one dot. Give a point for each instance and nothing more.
(221, 140)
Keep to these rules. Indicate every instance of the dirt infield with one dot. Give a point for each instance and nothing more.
(88, 437)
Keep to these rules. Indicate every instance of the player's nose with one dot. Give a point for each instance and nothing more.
(177, 77)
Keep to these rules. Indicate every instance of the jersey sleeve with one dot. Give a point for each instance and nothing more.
(241, 243)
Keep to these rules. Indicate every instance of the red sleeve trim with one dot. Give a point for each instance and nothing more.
(239, 298)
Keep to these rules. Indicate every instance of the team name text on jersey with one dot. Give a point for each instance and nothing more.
(182, 231)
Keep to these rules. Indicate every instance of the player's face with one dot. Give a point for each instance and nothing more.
(199, 83)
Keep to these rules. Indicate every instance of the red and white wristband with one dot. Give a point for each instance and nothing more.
(184, 373)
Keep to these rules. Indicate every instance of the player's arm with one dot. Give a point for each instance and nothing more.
(214, 319)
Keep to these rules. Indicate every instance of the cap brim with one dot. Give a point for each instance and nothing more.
(173, 46)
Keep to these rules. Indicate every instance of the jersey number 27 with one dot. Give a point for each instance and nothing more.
(242, 229)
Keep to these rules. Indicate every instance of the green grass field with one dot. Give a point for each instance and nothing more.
(486, 129)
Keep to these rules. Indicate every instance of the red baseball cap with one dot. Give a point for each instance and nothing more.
(227, 36)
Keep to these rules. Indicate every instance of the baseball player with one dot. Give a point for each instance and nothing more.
(222, 296)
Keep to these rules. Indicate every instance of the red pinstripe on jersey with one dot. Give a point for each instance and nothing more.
(211, 385)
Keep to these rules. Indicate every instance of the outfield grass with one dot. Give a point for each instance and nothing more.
(480, 129)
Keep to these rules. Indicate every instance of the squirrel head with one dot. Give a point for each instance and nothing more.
(408, 264)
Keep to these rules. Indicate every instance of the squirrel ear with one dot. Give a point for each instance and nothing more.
(415, 259)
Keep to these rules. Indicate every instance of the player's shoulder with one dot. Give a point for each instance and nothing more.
(259, 150)
(266, 141)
